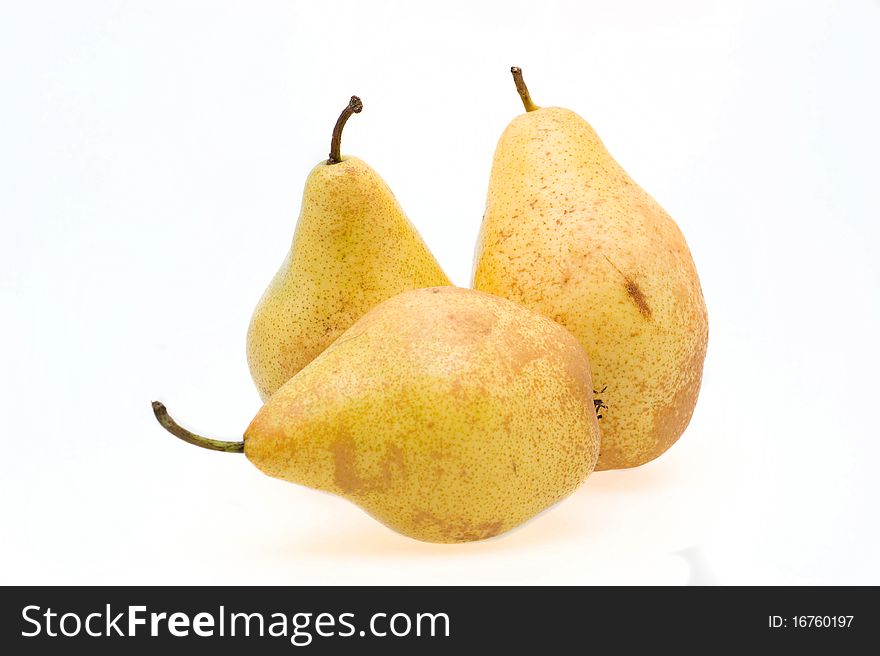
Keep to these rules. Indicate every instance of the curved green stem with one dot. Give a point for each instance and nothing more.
(355, 106)
(522, 89)
(178, 431)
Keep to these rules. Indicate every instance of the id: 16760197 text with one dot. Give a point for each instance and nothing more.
(810, 621)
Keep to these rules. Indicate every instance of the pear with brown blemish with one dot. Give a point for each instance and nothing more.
(353, 248)
(568, 233)
(447, 414)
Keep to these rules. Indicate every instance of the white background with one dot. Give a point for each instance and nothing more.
(152, 157)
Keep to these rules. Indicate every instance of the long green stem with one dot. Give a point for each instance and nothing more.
(522, 89)
(178, 431)
(355, 106)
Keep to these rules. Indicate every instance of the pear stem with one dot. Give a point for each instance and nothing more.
(522, 89)
(178, 431)
(354, 107)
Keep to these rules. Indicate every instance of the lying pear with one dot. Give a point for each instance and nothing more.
(447, 414)
(353, 248)
(569, 234)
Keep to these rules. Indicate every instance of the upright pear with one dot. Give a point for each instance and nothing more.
(447, 414)
(569, 234)
(353, 248)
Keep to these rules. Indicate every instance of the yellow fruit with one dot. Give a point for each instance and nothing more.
(353, 248)
(569, 234)
(447, 414)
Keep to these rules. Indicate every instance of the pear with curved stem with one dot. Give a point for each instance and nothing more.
(447, 414)
(353, 248)
(569, 234)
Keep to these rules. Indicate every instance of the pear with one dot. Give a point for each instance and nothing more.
(353, 248)
(447, 414)
(569, 234)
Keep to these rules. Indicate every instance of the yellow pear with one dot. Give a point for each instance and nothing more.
(569, 234)
(447, 414)
(353, 248)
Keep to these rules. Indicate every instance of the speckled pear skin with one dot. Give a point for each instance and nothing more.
(352, 249)
(447, 414)
(569, 234)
